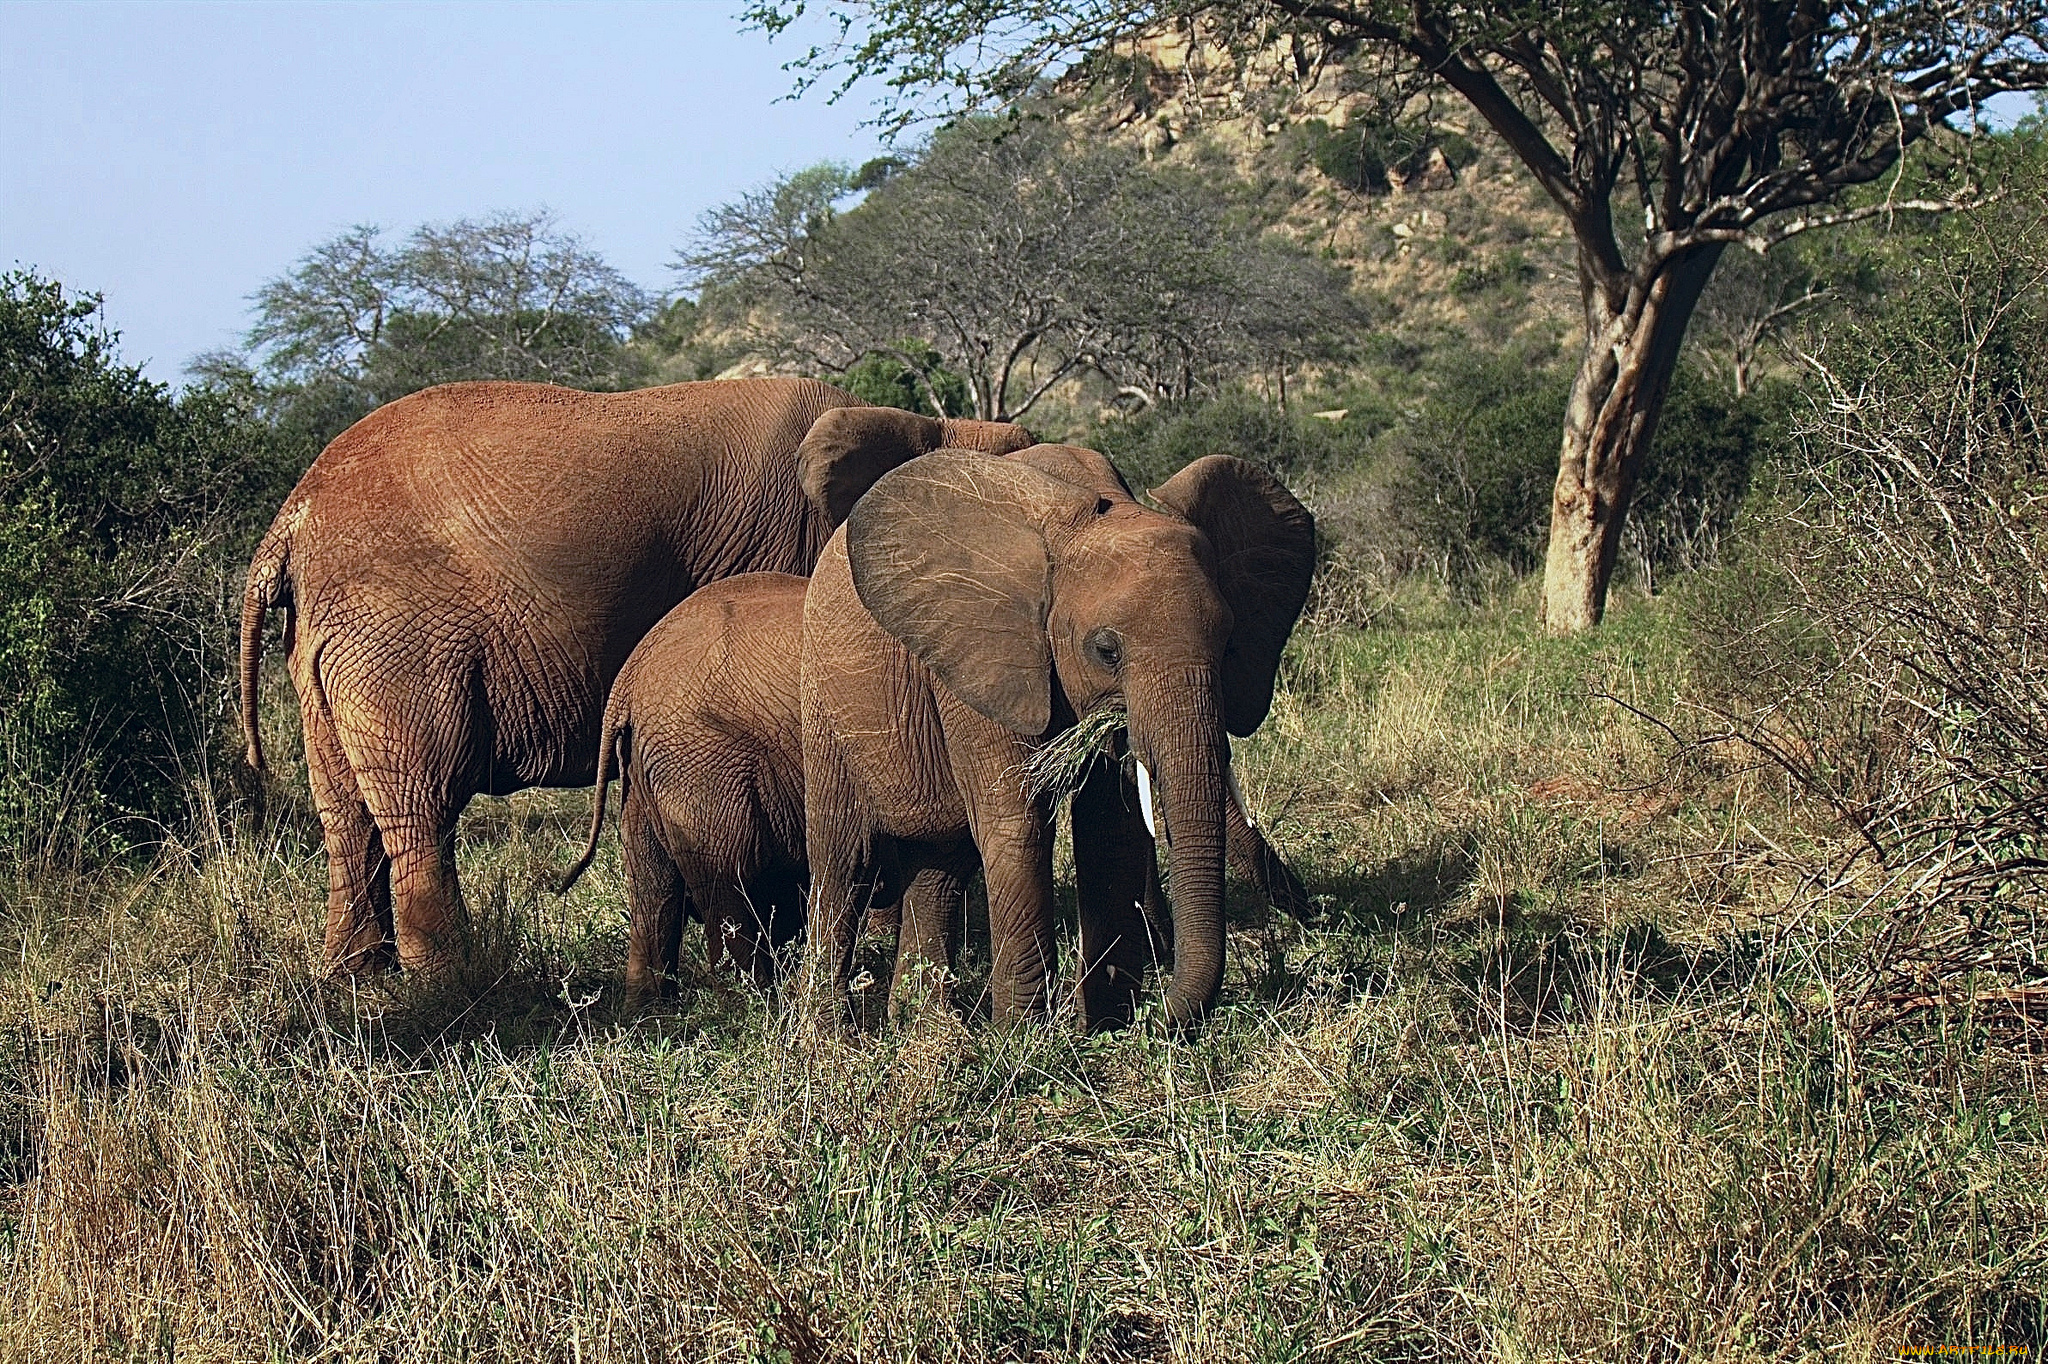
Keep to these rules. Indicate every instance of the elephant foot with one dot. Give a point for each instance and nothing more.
(920, 988)
(362, 963)
(439, 963)
(645, 988)
(440, 948)
(1109, 997)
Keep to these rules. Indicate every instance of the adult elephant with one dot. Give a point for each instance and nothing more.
(969, 610)
(465, 570)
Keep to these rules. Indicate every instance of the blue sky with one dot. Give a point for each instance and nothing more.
(176, 156)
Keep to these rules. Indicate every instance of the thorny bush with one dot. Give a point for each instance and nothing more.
(1884, 645)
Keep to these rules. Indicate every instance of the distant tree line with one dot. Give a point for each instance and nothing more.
(360, 321)
(1016, 255)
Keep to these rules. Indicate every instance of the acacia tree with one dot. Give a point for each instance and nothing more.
(1712, 123)
(505, 297)
(1019, 258)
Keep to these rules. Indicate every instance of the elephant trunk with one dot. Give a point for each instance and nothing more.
(1178, 735)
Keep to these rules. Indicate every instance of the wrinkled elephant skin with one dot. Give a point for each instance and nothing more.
(703, 732)
(971, 608)
(464, 572)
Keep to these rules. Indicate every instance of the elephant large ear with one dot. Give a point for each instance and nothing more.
(848, 448)
(1265, 543)
(949, 556)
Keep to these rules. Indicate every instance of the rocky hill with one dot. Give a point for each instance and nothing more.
(1449, 242)
(1444, 231)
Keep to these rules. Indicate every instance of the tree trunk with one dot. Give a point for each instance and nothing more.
(1745, 359)
(1624, 376)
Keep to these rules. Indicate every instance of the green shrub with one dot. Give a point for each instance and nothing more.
(1482, 459)
(1359, 155)
(1481, 456)
(885, 379)
(123, 510)
(678, 343)
(1878, 634)
(1459, 150)
(1709, 446)
(1507, 270)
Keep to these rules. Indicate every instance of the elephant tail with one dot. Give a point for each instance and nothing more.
(269, 585)
(611, 744)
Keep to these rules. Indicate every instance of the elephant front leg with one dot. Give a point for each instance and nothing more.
(1012, 831)
(1113, 877)
(840, 896)
(1016, 857)
(928, 946)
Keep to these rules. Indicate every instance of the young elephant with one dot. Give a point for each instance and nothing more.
(702, 730)
(1115, 854)
(970, 609)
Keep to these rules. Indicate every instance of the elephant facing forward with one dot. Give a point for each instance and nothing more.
(464, 570)
(971, 608)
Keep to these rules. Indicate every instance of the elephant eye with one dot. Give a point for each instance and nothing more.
(1106, 649)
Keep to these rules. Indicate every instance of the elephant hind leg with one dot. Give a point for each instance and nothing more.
(358, 935)
(777, 903)
(738, 929)
(409, 741)
(658, 900)
(928, 948)
(427, 916)
(841, 896)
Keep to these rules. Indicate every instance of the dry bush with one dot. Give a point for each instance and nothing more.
(1885, 648)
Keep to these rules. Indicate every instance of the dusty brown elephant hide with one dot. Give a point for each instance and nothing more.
(465, 569)
(971, 608)
(703, 732)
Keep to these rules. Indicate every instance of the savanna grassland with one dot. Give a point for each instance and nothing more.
(1570, 1068)
(1677, 990)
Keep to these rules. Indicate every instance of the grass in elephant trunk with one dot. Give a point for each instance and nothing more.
(1056, 767)
(1559, 1077)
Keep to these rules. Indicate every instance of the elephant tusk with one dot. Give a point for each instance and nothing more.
(1230, 776)
(1145, 799)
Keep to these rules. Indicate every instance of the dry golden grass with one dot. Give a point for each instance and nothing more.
(1558, 1078)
